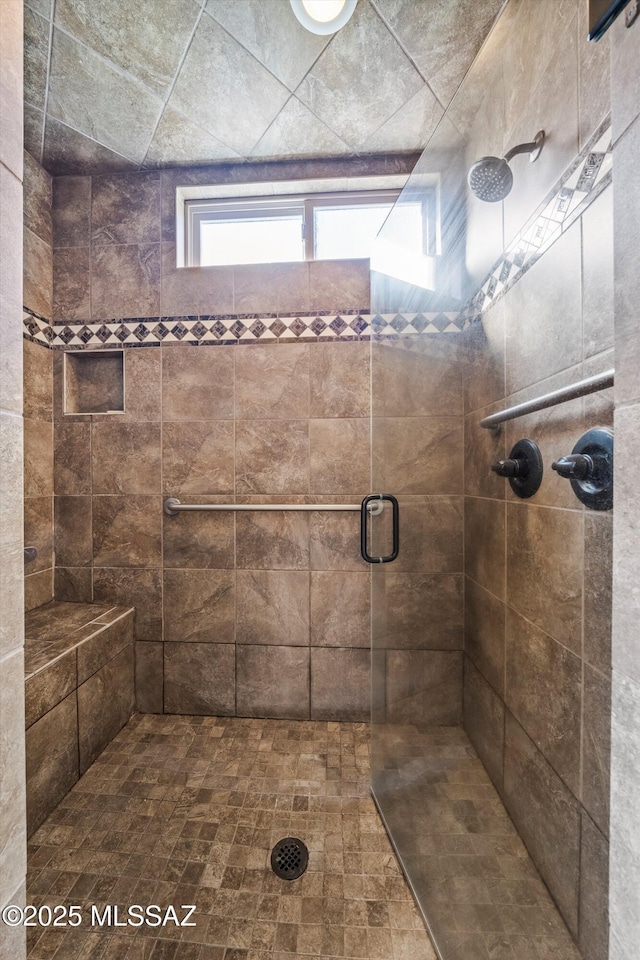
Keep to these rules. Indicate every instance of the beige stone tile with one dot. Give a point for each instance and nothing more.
(194, 290)
(47, 688)
(272, 541)
(105, 702)
(536, 351)
(11, 87)
(339, 285)
(340, 684)
(594, 892)
(203, 541)
(596, 747)
(598, 549)
(123, 113)
(339, 455)
(38, 458)
(555, 430)
(71, 211)
(38, 275)
(198, 457)
(418, 611)
(52, 760)
(125, 281)
(72, 458)
(272, 456)
(272, 607)
(127, 531)
(125, 458)
(125, 208)
(72, 535)
(430, 535)
(72, 284)
(12, 792)
(149, 677)
(199, 606)
(413, 384)
(421, 455)
(340, 609)
(547, 593)
(424, 686)
(485, 525)
(197, 384)
(103, 646)
(484, 721)
(339, 379)
(142, 384)
(272, 681)
(546, 816)
(38, 381)
(272, 382)
(271, 288)
(11, 348)
(73, 584)
(38, 532)
(544, 692)
(138, 588)
(335, 540)
(199, 678)
(484, 633)
(38, 589)
(483, 448)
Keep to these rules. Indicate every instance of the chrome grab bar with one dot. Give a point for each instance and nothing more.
(172, 507)
(601, 381)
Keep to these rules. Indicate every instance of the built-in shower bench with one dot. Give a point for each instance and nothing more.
(79, 692)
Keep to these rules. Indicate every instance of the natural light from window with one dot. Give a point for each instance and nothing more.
(343, 232)
(259, 240)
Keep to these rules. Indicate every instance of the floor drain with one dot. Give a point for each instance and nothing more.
(289, 858)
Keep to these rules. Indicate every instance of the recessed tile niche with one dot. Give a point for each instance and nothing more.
(94, 382)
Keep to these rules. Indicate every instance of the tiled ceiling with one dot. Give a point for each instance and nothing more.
(119, 85)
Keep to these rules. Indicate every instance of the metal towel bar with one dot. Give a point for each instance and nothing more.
(601, 381)
(172, 507)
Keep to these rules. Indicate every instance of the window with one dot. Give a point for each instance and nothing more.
(334, 226)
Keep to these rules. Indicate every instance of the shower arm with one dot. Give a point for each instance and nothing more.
(533, 148)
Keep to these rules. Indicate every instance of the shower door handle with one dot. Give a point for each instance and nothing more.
(365, 512)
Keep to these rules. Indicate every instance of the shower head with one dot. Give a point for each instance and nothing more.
(491, 179)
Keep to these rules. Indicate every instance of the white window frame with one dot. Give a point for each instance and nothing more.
(197, 211)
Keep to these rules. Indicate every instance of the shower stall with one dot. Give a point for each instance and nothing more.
(491, 629)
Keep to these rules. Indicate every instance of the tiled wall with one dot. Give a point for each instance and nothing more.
(38, 387)
(115, 256)
(12, 753)
(253, 613)
(625, 765)
(417, 601)
(538, 572)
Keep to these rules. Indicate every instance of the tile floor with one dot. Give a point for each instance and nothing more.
(471, 871)
(186, 810)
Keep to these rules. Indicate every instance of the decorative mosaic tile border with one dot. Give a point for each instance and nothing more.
(213, 330)
(586, 178)
(589, 174)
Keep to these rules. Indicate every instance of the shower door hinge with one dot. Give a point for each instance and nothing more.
(632, 12)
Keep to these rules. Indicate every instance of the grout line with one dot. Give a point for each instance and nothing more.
(173, 84)
(52, 13)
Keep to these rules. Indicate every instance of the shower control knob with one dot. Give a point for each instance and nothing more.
(589, 468)
(511, 468)
(523, 468)
(576, 466)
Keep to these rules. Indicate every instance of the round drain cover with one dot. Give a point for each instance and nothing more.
(289, 858)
